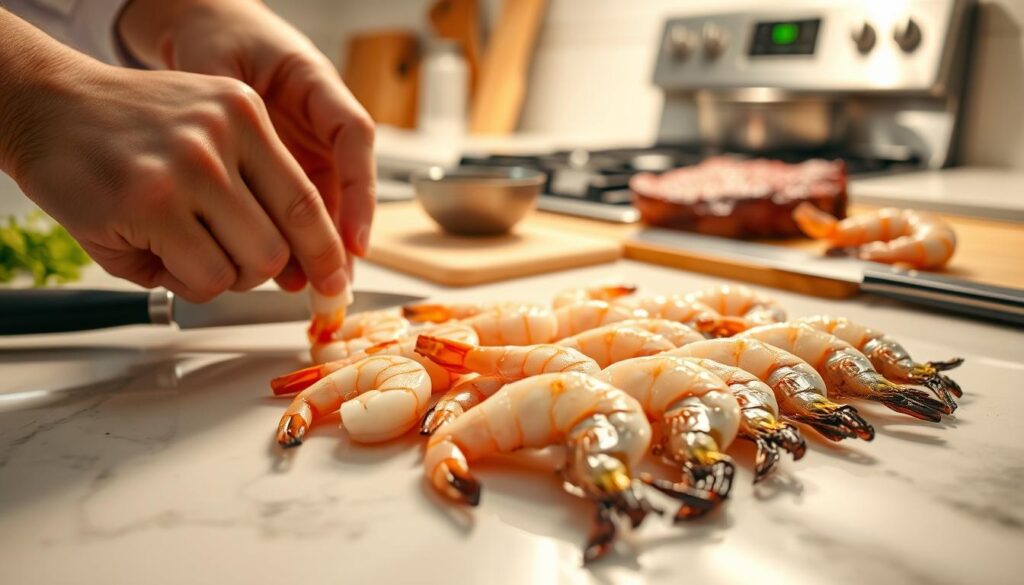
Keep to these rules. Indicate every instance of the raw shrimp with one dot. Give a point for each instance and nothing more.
(799, 390)
(891, 359)
(359, 332)
(614, 343)
(740, 303)
(846, 371)
(759, 416)
(440, 378)
(699, 417)
(497, 365)
(495, 324)
(470, 390)
(580, 317)
(603, 429)
(327, 314)
(575, 296)
(677, 333)
(675, 308)
(894, 236)
(380, 397)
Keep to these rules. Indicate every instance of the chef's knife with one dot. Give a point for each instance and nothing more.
(949, 294)
(25, 311)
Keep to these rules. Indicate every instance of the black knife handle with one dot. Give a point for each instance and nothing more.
(24, 311)
(996, 303)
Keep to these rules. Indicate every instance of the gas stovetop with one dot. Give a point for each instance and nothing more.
(595, 183)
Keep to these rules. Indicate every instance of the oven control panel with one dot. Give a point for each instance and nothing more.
(884, 46)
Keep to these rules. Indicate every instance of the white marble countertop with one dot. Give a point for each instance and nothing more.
(146, 455)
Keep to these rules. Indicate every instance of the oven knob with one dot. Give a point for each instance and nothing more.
(864, 38)
(907, 35)
(680, 42)
(714, 41)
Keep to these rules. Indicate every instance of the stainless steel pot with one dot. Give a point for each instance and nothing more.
(478, 201)
(762, 119)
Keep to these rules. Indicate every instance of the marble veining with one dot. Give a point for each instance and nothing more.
(149, 458)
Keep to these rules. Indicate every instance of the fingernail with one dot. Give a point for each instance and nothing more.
(363, 239)
(335, 284)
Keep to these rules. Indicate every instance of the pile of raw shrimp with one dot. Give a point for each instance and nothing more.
(592, 373)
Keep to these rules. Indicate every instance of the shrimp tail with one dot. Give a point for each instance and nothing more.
(615, 291)
(729, 326)
(298, 380)
(447, 353)
(835, 422)
(435, 418)
(814, 222)
(426, 313)
(291, 430)
(906, 400)
(715, 477)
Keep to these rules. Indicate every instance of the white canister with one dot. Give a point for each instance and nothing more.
(444, 89)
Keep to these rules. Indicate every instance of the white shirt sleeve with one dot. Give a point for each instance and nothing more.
(86, 25)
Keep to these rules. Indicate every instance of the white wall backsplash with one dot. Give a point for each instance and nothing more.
(591, 74)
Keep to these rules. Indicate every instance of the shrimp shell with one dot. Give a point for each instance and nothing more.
(740, 303)
(891, 359)
(800, 391)
(847, 371)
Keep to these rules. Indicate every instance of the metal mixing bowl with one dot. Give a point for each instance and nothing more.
(477, 201)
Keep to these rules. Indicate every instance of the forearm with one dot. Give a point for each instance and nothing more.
(35, 72)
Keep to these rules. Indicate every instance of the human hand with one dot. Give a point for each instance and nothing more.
(326, 130)
(166, 178)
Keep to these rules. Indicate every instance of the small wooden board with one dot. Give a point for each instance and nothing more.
(404, 238)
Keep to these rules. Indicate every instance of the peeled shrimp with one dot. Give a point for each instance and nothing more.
(799, 389)
(603, 429)
(675, 308)
(357, 333)
(440, 378)
(740, 303)
(496, 365)
(327, 314)
(575, 296)
(847, 371)
(678, 334)
(699, 417)
(893, 236)
(891, 359)
(614, 343)
(580, 317)
(759, 416)
(380, 397)
(496, 323)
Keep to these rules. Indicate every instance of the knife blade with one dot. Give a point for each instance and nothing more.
(26, 311)
(947, 293)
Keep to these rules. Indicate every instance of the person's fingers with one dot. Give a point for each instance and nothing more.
(192, 256)
(244, 231)
(292, 278)
(343, 124)
(139, 266)
(291, 200)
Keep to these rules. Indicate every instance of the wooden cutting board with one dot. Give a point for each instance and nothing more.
(405, 239)
(988, 252)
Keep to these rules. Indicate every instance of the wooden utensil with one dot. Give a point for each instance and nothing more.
(459, 20)
(382, 71)
(502, 85)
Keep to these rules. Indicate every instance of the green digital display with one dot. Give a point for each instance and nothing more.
(784, 37)
(785, 33)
